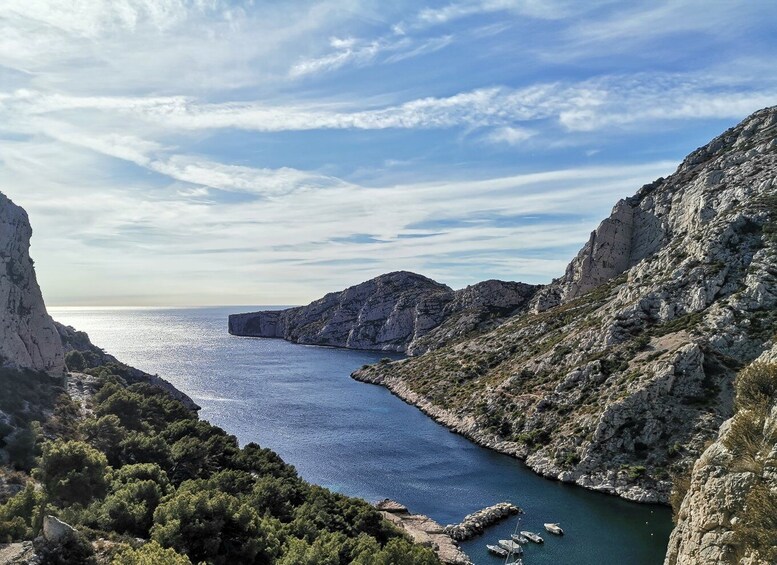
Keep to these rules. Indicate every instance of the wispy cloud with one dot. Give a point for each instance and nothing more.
(357, 52)
(597, 104)
(508, 135)
(541, 9)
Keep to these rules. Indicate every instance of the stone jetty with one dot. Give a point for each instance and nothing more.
(474, 524)
(425, 531)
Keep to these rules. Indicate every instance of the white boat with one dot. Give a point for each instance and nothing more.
(531, 536)
(511, 546)
(554, 529)
(518, 538)
(496, 550)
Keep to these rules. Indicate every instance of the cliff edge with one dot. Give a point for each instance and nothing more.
(28, 337)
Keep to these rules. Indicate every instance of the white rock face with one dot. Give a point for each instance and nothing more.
(56, 531)
(399, 311)
(28, 338)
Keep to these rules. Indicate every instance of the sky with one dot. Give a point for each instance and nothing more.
(174, 152)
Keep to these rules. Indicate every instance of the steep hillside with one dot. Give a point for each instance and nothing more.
(729, 514)
(623, 368)
(398, 311)
(28, 338)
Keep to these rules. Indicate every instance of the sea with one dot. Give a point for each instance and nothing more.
(360, 440)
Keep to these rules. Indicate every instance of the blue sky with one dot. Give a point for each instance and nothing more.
(206, 152)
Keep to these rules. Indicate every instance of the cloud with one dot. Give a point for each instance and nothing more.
(508, 135)
(358, 52)
(208, 45)
(541, 9)
(604, 103)
(347, 51)
(259, 181)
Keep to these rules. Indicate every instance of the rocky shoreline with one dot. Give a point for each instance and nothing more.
(424, 531)
(610, 483)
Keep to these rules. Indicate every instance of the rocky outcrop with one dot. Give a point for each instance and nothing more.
(729, 513)
(424, 531)
(57, 531)
(18, 554)
(399, 311)
(622, 368)
(630, 234)
(28, 338)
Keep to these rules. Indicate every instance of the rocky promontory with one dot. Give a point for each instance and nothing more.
(399, 311)
(28, 337)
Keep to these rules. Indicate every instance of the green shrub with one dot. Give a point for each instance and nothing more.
(18, 516)
(72, 472)
(23, 447)
(634, 472)
(74, 549)
(130, 508)
(74, 361)
(756, 385)
(150, 554)
(143, 448)
(398, 552)
(106, 435)
(212, 526)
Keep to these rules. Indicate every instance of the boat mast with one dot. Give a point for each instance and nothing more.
(516, 559)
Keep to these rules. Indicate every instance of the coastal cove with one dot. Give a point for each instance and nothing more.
(359, 439)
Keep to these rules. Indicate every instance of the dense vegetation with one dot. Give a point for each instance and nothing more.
(138, 464)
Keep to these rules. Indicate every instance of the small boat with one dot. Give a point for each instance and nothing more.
(531, 536)
(518, 538)
(511, 546)
(554, 529)
(496, 550)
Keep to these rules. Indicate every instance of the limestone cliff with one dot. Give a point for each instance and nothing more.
(729, 514)
(28, 338)
(399, 311)
(621, 371)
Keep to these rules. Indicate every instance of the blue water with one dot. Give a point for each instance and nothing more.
(360, 440)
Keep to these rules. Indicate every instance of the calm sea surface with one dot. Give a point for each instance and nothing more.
(360, 440)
